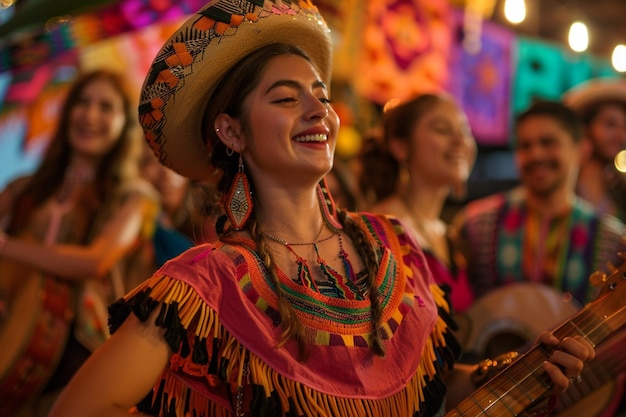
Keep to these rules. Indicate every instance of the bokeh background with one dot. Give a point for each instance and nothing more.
(385, 49)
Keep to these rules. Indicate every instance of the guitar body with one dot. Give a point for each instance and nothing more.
(594, 404)
(34, 329)
(509, 317)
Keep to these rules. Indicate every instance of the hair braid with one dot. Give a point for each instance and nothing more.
(289, 322)
(369, 256)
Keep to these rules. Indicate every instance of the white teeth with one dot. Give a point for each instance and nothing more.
(312, 138)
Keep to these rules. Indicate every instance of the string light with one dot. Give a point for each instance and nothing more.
(515, 11)
(618, 59)
(578, 37)
(620, 161)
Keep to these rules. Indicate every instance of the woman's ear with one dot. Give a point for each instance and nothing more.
(399, 149)
(228, 130)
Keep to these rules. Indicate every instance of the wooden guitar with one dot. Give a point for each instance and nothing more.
(34, 328)
(523, 382)
(511, 316)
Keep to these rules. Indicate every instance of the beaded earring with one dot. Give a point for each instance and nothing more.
(238, 201)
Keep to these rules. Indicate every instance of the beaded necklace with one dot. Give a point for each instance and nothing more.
(337, 282)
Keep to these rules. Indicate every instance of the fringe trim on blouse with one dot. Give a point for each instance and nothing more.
(205, 350)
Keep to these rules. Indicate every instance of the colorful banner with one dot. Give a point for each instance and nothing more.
(481, 82)
(405, 49)
(86, 29)
(546, 71)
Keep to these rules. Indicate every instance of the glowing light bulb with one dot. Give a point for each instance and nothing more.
(620, 161)
(618, 59)
(578, 37)
(515, 11)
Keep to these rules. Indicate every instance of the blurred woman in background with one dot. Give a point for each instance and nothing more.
(73, 229)
(428, 142)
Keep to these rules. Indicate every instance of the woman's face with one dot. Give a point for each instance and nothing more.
(607, 132)
(291, 126)
(97, 119)
(442, 149)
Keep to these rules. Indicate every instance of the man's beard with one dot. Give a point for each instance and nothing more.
(544, 190)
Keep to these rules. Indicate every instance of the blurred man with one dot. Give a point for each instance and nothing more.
(541, 231)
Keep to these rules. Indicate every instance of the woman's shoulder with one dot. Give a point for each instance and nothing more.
(391, 205)
(388, 230)
(485, 207)
(17, 185)
(210, 260)
(139, 187)
(381, 222)
(10, 192)
(375, 216)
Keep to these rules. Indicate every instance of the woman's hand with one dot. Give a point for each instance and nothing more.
(567, 361)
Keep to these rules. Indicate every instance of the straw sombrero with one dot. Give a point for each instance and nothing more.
(185, 71)
(584, 96)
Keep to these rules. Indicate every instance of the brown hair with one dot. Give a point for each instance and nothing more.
(380, 169)
(399, 121)
(115, 168)
(228, 97)
(559, 112)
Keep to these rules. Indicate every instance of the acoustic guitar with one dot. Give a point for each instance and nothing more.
(34, 329)
(524, 381)
(511, 316)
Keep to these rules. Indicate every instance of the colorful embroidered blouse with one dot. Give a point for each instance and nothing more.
(506, 243)
(219, 308)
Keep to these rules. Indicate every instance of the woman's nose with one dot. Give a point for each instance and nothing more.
(318, 109)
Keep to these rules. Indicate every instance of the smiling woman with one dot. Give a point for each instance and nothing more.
(429, 145)
(73, 235)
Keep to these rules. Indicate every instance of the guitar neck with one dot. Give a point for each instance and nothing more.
(525, 381)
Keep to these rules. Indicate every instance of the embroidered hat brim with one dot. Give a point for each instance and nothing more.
(585, 95)
(186, 70)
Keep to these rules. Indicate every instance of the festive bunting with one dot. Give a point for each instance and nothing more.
(538, 73)
(405, 48)
(86, 29)
(481, 81)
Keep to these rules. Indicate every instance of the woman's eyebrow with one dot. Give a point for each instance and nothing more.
(294, 84)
